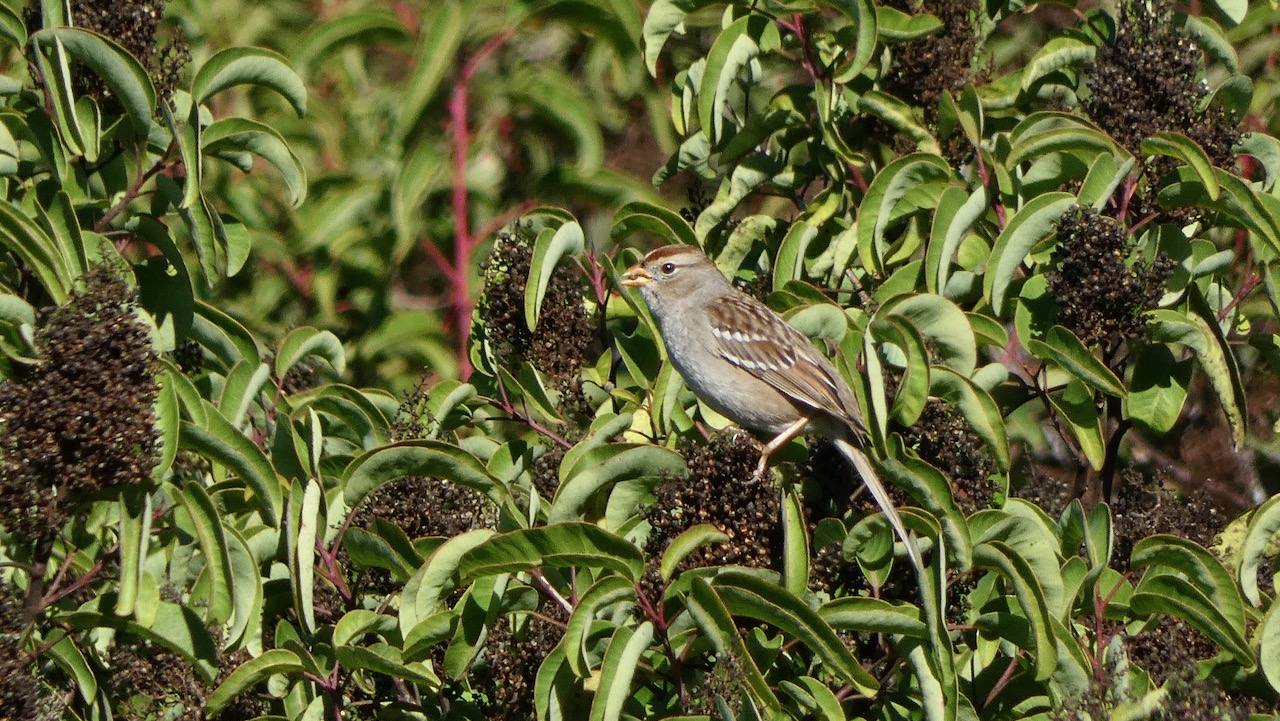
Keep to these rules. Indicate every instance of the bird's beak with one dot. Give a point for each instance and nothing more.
(636, 276)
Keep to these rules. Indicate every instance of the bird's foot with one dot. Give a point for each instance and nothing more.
(762, 469)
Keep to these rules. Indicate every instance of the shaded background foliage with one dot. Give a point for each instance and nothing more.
(318, 398)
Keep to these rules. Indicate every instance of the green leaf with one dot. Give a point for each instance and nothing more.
(815, 698)
(135, 534)
(663, 18)
(1061, 346)
(550, 248)
(554, 95)
(362, 29)
(241, 389)
(433, 459)
(1158, 389)
(122, 72)
(37, 251)
(1214, 356)
(223, 336)
(689, 540)
(891, 185)
(248, 591)
(220, 442)
(1199, 566)
(1188, 152)
(1030, 225)
(731, 52)
(1053, 132)
(307, 341)
(863, 18)
(14, 29)
(747, 595)
(901, 117)
(559, 545)
(913, 390)
(795, 544)
(747, 176)
(57, 83)
(1234, 10)
(385, 660)
(585, 473)
(1261, 536)
(249, 674)
(1058, 53)
(943, 323)
(895, 26)
(305, 523)
(1164, 593)
(1105, 175)
(213, 546)
(1075, 405)
(67, 656)
(873, 615)
(425, 592)
(442, 31)
(373, 550)
(603, 594)
(1240, 201)
(621, 659)
(998, 556)
(231, 136)
(713, 619)
(248, 66)
(174, 626)
(642, 217)
(1269, 646)
(955, 215)
(979, 410)
(1267, 150)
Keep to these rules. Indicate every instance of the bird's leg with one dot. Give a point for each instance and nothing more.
(778, 441)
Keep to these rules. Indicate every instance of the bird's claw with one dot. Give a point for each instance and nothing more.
(762, 468)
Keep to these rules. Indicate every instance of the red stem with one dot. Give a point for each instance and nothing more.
(464, 242)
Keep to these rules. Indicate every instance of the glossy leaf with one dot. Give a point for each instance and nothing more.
(560, 545)
(248, 66)
(1030, 225)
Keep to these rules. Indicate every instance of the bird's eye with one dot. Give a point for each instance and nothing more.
(668, 268)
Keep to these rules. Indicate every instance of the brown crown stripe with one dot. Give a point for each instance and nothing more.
(668, 251)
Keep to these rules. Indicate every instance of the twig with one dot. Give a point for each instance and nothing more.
(464, 241)
(134, 190)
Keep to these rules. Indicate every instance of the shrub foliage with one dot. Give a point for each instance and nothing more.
(319, 397)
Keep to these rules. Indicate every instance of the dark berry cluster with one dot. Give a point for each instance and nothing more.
(134, 25)
(1145, 81)
(943, 439)
(304, 375)
(1101, 296)
(942, 62)
(836, 482)
(511, 662)
(559, 346)
(1170, 653)
(21, 694)
(189, 357)
(423, 506)
(718, 491)
(719, 684)
(1145, 506)
(82, 420)
(150, 681)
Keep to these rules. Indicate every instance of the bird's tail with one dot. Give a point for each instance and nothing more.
(862, 463)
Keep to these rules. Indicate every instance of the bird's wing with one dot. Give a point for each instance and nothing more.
(781, 356)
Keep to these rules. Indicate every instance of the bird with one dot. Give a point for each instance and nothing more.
(747, 363)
